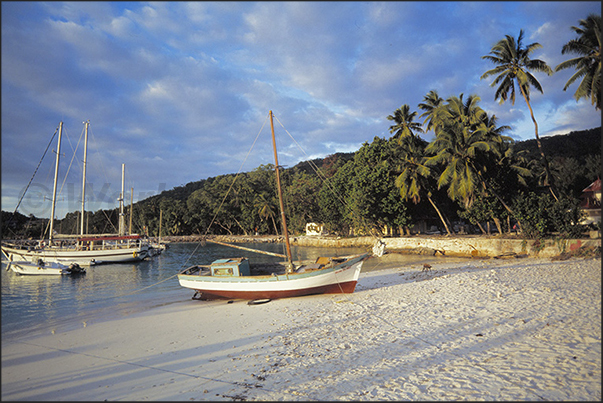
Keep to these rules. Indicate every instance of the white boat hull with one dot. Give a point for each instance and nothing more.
(34, 269)
(341, 278)
(80, 257)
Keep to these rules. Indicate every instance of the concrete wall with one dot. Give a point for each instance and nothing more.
(468, 246)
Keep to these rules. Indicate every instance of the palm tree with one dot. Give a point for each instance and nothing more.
(266, 210)
(457, 146)
(588, 64)
(404, 122)
(470, 146)
(432, 106)
(415, 175)
(514, 64)
(505, 169)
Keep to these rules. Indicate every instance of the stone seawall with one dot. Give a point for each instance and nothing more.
(460, 246)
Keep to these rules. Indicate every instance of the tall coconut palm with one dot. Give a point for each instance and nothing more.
(413, 181)
(431, 104)
(498, 170)
(514, 65)
(588, 64)
(457, 146)
(404, 122)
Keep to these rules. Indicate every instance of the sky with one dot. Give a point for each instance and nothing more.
(180, 91)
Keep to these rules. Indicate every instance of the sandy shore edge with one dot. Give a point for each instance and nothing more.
(519, 329)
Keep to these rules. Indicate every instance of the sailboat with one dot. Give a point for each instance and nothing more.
(237, 278)
(157, 247)
(82, 249)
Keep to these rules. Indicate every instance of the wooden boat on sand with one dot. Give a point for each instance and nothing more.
(231, 278)
(237, 278)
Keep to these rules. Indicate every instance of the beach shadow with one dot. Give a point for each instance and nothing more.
(96, 368)
(411, 275)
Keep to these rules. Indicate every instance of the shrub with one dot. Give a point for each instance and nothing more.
(541, 215)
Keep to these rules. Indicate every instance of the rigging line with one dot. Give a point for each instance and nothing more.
(103, 171)
(327, 182)
(36, 170)
(140, 289)
(321, 175)
(72, 158)
(225, 196)
(109, 220)
(208, 227)
(235, 178)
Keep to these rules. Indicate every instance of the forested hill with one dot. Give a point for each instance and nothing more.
(577, 145)
(327, 165)
(572, 145)
(367, 185)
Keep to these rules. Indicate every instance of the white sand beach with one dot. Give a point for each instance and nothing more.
(512, 329)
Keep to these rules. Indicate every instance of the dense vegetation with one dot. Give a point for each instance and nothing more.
(354, 192)
(470, 173)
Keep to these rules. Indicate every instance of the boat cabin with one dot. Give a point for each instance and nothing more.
(231, 267)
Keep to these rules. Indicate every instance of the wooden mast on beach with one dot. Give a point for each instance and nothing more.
(288, 256)
(280, 199)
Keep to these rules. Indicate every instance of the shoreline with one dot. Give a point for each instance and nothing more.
(473, 329)
(473, 246)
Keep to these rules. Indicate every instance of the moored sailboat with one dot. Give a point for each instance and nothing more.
(237, 278)
(83, 250)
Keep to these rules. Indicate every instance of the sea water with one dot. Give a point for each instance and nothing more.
(42, 303)
(33, 304)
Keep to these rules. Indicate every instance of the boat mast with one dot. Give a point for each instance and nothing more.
(160, 219)
(122, 225)
(280, 198)
(86, 123)
(54, 190)
(131, 209)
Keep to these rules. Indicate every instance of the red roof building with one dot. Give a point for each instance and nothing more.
(591, 202)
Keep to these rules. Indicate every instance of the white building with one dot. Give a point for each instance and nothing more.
(313, 229)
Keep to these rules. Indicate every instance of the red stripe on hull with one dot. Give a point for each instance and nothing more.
(345, 288)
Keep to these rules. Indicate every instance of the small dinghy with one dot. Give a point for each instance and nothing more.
(40, 268)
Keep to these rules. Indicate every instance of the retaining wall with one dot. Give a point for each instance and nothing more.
(466, 246)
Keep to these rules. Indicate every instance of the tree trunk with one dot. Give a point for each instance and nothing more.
(240, 226)
(498, 226)
(499, 199)
(274, 223)
(226, 228)
(549, 177)
(482, 228)
(439, 214)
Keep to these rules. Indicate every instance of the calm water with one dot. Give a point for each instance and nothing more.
(31, 303)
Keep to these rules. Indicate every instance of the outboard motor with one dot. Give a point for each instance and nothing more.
(75, 268)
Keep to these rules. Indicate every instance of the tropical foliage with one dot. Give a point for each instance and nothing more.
(588, 63)
(515, 65)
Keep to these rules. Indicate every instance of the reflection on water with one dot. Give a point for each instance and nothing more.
(39, 302)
